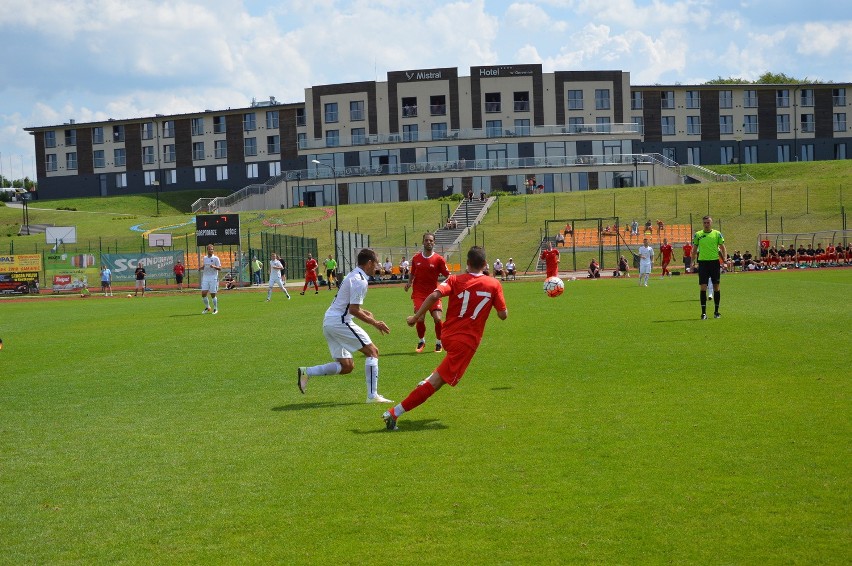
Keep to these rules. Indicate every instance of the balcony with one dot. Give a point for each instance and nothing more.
(409, 111)
(522, 106)
(437, 109)
(492, 107)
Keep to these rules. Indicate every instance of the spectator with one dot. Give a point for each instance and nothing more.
(404, 268)
(820, 254)
(594, 269)
(569, 230)
(687, 257)
(560, 239)
(470, 195)
(229, 281)
(387, 267)
(634, 228)
(256, 269)
(140, 278)
(746, 260)
(623, 267)
(498, 269)
(481, 196)
(737, 258)
(648, 226)
(179, 270)
(660, 226)
(510, 269)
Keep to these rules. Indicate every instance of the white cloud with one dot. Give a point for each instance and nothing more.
(528, 18)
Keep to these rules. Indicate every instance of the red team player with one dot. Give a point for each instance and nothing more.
(550, 257)
(311, 274)
(666, 252)
(472, 295)
(426, 266)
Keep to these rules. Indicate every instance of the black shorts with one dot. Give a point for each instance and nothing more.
(709, 271)
(178, 279)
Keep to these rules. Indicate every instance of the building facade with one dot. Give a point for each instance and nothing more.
(424, 133)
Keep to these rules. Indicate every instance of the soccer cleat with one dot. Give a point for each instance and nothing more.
(390, 420)
(206, 311)
(717, 315)
(302, 379)
(378, 399)
(302, 293)
(288, 296)
(420, 347)
(316, 292)
(215, 311)
(439, 348)
(267, 299)
(703, 316)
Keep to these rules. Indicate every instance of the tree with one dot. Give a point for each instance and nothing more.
(767, 78)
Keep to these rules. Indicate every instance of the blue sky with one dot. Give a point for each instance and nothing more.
(97, 59)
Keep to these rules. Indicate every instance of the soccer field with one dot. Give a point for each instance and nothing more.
(609, 425)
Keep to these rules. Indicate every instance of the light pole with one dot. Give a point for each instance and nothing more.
(739, 139)
(336, 196)
(157, 192)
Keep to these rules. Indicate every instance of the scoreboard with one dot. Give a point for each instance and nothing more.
(220, 229)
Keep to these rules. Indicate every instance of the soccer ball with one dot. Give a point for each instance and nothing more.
(554, 286)
(129, 296)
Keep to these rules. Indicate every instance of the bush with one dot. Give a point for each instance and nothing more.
(455, 197)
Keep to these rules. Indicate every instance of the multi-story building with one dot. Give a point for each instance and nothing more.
(427, 132)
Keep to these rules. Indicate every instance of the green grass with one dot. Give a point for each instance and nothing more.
(608, 426)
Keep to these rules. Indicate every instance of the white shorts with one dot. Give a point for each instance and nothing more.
(140, 283)
(210, 285)
(277, 281)
(644, 268)
(344, 338)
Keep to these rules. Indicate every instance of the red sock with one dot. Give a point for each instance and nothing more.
(438, 326)
(418, 396)
(421, 330)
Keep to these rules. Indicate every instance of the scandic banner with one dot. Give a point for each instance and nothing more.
(158, 265)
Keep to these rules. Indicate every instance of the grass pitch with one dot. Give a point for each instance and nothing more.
(609, 425)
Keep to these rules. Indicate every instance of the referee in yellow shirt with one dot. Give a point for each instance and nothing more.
(708, 246)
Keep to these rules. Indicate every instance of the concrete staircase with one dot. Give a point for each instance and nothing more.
(467, 215)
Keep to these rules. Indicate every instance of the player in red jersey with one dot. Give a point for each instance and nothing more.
(311, 274)
(550, 257)
(471, 298)
(666, 252)
(426, 266)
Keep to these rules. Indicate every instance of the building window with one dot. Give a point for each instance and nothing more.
(575, 100)
(602, 99)
(119, 155)
(332, 138)
(251, 171)
(250, 147)
(807, 123)
(667, 100)
(302, 140)
(150, 178)
(670, 153)
(750, 124)
(274, 169)
(221, 172)
(668, 125)
(603, 125)
(693, 155)
(170, 176)
(693, 99)
(840, 151)
(50, 162)
(838, 95)
(522, 127)
(438, 105)
(97, 135)
(169, 153)
(576, 125)
(356, 110)
(726, 99)
(409, 107)
(782, 98)
(494, 128)
(749, 99)
(197, 126)
(807, 153)
(749, 154)
(272, 119)
(300, 117)
(50, 139)
(639, 122)
(169, 129)
(273, 144)
(522, 102)
(71, 160)
(439, 131)
(807, 96)
(331, 112)
(147, 130)
(200, 174)
(410, 132)
(120, 180)
(783, 153)
(839, 122)
(492, 102)
(249, 122)
(727, 155)
(98, 158)
(782, 123)
(148, 154)
(220, 149)
(70, 138)
(636, 100)
(726, 124)
(219, 126)
(197, 151)
(359, 136)
(118, 134)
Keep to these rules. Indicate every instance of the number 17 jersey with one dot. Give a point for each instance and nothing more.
(471, 298)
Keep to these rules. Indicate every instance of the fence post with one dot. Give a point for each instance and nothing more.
(741, 201)
(807, 200)
(766, 221)
(675, 202)
(771, 200)
(782, 225)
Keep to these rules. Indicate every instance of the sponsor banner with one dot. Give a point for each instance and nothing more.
(70, 272)
(18, 283)
(158, 265)
(20, 263)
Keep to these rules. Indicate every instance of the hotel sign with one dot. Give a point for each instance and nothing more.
(506, 71)
(427, 75)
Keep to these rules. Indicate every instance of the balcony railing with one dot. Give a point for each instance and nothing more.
(437, 109)
(522, 106)
(492, 107)
(409, 111)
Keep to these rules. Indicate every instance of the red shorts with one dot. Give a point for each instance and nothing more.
(553, 272)
(310, 277)
(452, 368)
(418, 301)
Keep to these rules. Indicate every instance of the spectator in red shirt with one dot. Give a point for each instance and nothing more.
(687, 257)
(179, 271)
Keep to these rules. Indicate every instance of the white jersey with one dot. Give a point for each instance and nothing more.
(208, 271)
(275, 268)
(510, 266)
(352, 291)
(646, 254)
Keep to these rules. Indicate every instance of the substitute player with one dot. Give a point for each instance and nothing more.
(426, 266)
(472, 295)
(646, 260)
(344, 336)
(277, 276)
(311, 275)
(210, 268)
(708, 249)
(550, 257)
(666, 253)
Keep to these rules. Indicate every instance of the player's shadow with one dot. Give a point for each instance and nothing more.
(383, 355)
(185, 314)
(422, 425)
(504, 388)
(678, 320)
(314, 405)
